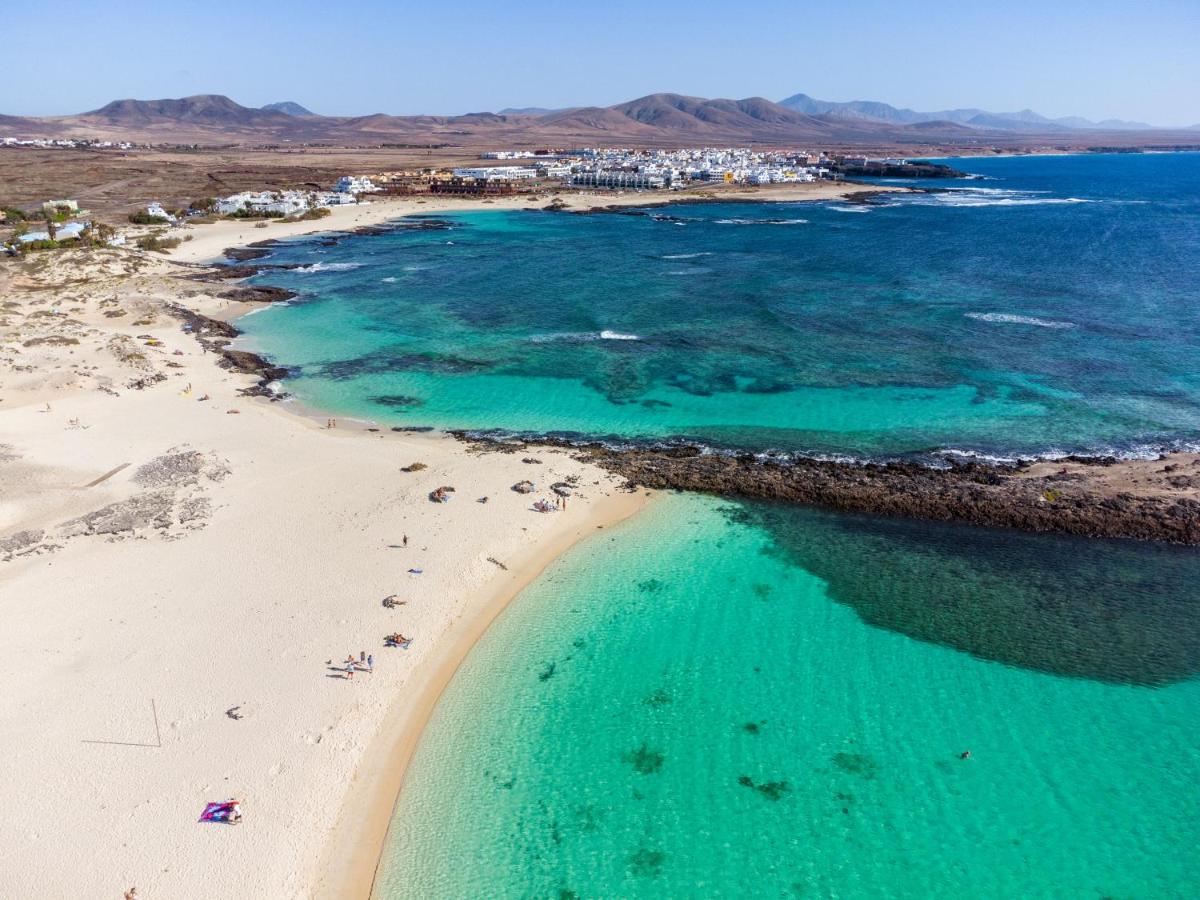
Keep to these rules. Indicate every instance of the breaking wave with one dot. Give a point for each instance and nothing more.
(760, 221)
(327, 267)
(581, 337)
(1012, 319)
(685, 255)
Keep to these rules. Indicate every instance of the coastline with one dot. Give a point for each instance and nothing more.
(207, 243)
(208, 564)
(339, 842)
(352, 856)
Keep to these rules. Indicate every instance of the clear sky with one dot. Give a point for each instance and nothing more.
(1095, 58)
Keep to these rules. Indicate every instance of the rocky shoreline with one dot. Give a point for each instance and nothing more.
(865, 197)
(1072, 499)
(1069, 500)
(215, 336)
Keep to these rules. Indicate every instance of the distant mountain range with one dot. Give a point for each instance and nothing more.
(527, 111)
(657, 119)
(1025, 121)
(290, 108)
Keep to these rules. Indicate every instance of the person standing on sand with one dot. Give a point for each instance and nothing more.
(404, 541)
(370, 663)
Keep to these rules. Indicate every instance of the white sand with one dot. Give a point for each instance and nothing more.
(236, 597)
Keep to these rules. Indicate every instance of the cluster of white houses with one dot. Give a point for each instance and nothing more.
(636, 169)
(66, 143)
(545, 168)
(284, 203)
(657, 169)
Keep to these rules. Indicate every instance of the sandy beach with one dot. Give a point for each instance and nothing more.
(183, 579)
(184, 570)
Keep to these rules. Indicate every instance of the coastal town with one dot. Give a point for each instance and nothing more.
(513, 173)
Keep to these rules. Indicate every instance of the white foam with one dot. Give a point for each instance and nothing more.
(849, 207)
(761, 221)
(685, 255)
(328, 267)
(579, 337)
(1013, 319)
(984, 196)
(1052, 454)
(391, 279)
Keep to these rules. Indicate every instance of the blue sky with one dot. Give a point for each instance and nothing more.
(1099, 59)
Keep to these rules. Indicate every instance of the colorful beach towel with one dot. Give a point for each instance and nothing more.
(218, 812)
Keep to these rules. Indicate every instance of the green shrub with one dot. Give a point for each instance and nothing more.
(244, 213)
(310, 215)
(141, 217)
(157, 243)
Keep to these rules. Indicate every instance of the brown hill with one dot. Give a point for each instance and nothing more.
(656, 119)
(206, 109)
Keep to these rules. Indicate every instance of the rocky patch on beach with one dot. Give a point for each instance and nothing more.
(169, 500)
(238, 271)
(215, 336)
(257, 294)
(256, 250)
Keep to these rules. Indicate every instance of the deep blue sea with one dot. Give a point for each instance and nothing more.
(725, 699)
(1049, 304)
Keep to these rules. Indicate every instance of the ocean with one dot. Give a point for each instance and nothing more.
(1050, 305)
(728, 699)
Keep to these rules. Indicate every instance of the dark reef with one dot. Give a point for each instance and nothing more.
(973, 493)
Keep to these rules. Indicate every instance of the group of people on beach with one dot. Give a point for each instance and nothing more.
(364, 663)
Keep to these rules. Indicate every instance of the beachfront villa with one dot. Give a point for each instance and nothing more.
(355, 184)
(155, 210)
(284, 203)
(497, 173)
(635, 181)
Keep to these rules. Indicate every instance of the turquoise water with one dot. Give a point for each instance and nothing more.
(733, 700)
(1050, 304)
(685, 708)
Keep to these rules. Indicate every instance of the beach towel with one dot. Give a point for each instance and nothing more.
(218, 812)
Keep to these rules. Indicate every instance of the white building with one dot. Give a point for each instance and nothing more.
(156, 210)
(496, 173)
(637, 181)
(355, 184)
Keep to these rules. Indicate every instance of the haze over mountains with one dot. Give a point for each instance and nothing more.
(656, 119)
(1025, 120)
